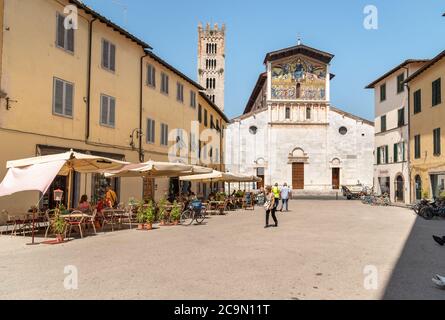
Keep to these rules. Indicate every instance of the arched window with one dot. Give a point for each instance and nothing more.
(308, 113)
(208, 83)
(216, 48)
(287, 113)
(298, 91)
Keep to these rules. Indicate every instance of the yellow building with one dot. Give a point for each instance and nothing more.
(93, 88)
(427, 128)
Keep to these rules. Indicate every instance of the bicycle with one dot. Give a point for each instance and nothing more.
(194, 212)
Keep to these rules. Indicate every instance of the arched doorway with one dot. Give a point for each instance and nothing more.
(418, 187)
(400, 188)
(298, 158)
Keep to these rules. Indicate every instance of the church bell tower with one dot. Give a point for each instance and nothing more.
(211, 61)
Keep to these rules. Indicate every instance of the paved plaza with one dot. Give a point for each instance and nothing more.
(321, 250)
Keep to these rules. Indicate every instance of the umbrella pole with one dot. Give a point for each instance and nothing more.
(34, 223)
(70, 177)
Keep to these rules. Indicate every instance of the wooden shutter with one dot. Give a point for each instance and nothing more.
(104, 110)
(386, 154)
(396, 153)
(105, 54)
(69, 92)
(112, 112)
(60, 31)
(112, 57)
(379, 155)
(70, 40)
(58, 96)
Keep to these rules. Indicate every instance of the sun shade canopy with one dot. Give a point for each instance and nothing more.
(158, 169)
(37, 174)
(217, 176)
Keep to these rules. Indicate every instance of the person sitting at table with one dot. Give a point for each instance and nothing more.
(84, 205)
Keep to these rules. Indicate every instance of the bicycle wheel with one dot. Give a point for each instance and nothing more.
(187, 218)
(201, 216)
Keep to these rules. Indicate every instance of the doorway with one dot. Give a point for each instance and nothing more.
(335, 178)
(400, 186)
(298, 176)
(260, 174)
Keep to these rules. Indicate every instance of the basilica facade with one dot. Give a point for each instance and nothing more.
(290, 133)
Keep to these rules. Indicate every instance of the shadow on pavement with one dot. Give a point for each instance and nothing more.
(419, 261)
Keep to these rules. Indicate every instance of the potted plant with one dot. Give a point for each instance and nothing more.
(162, 213)
(176, 213)
(149, 215)
(58, 227)
(140, 217)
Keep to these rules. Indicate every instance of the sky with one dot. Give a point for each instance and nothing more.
(407, 29)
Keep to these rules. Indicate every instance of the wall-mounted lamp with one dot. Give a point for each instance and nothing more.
(8, 103)
(137, 133)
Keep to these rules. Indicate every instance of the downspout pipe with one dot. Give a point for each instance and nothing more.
(409, 135)
(141, 103)
(90, 53)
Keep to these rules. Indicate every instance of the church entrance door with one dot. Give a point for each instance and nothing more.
(298, 176)
(335, 178)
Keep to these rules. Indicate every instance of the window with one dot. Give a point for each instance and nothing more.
(436, 142)
(65, 37)
(382, 155)
(383, 124)
(150, 131)
(396, 153)
(151, 76)
(108, 55)
(164, 134)
(417, 146)
(180, 92)
(401, 117)
(383, 92)
(63, 98)
(287, 113)
(343, 131)
(400, 84)
(205, 118)
(107, 110)
(164, 83)
(200, 113)
(417, 101)
(308, 113)
(212, 124)
(192, 99)
(437, 97)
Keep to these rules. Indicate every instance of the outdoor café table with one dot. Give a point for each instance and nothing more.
(111, 216)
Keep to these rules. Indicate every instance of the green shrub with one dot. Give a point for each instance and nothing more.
(149, 212)
(162, 213)
(176, 212)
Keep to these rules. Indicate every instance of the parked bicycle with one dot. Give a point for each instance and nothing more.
(430, 209)
(195, 212)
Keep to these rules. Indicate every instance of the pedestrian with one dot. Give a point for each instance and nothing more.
(271, 207)
(276, 191)
(285, 194)
(111, 196)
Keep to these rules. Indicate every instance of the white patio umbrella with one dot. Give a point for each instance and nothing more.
(157, 169)
(37, 173)
(218, 176)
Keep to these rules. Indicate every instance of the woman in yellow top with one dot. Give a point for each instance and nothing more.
(111, 196)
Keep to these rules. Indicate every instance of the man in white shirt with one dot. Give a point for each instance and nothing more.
(285, 194)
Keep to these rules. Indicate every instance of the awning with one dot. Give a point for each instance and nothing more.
(158, 169)
(217, 176)
(37, 173)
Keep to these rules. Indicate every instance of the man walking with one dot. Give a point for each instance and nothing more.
(285, 194)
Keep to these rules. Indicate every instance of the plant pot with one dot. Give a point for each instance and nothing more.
(141, 226)
(176, 222)
(149, 226)
(59, 238)
(162, 223)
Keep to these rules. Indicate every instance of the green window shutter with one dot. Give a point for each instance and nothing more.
(403, 152)
(379, 155)
(386, 154)
(396, 153)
